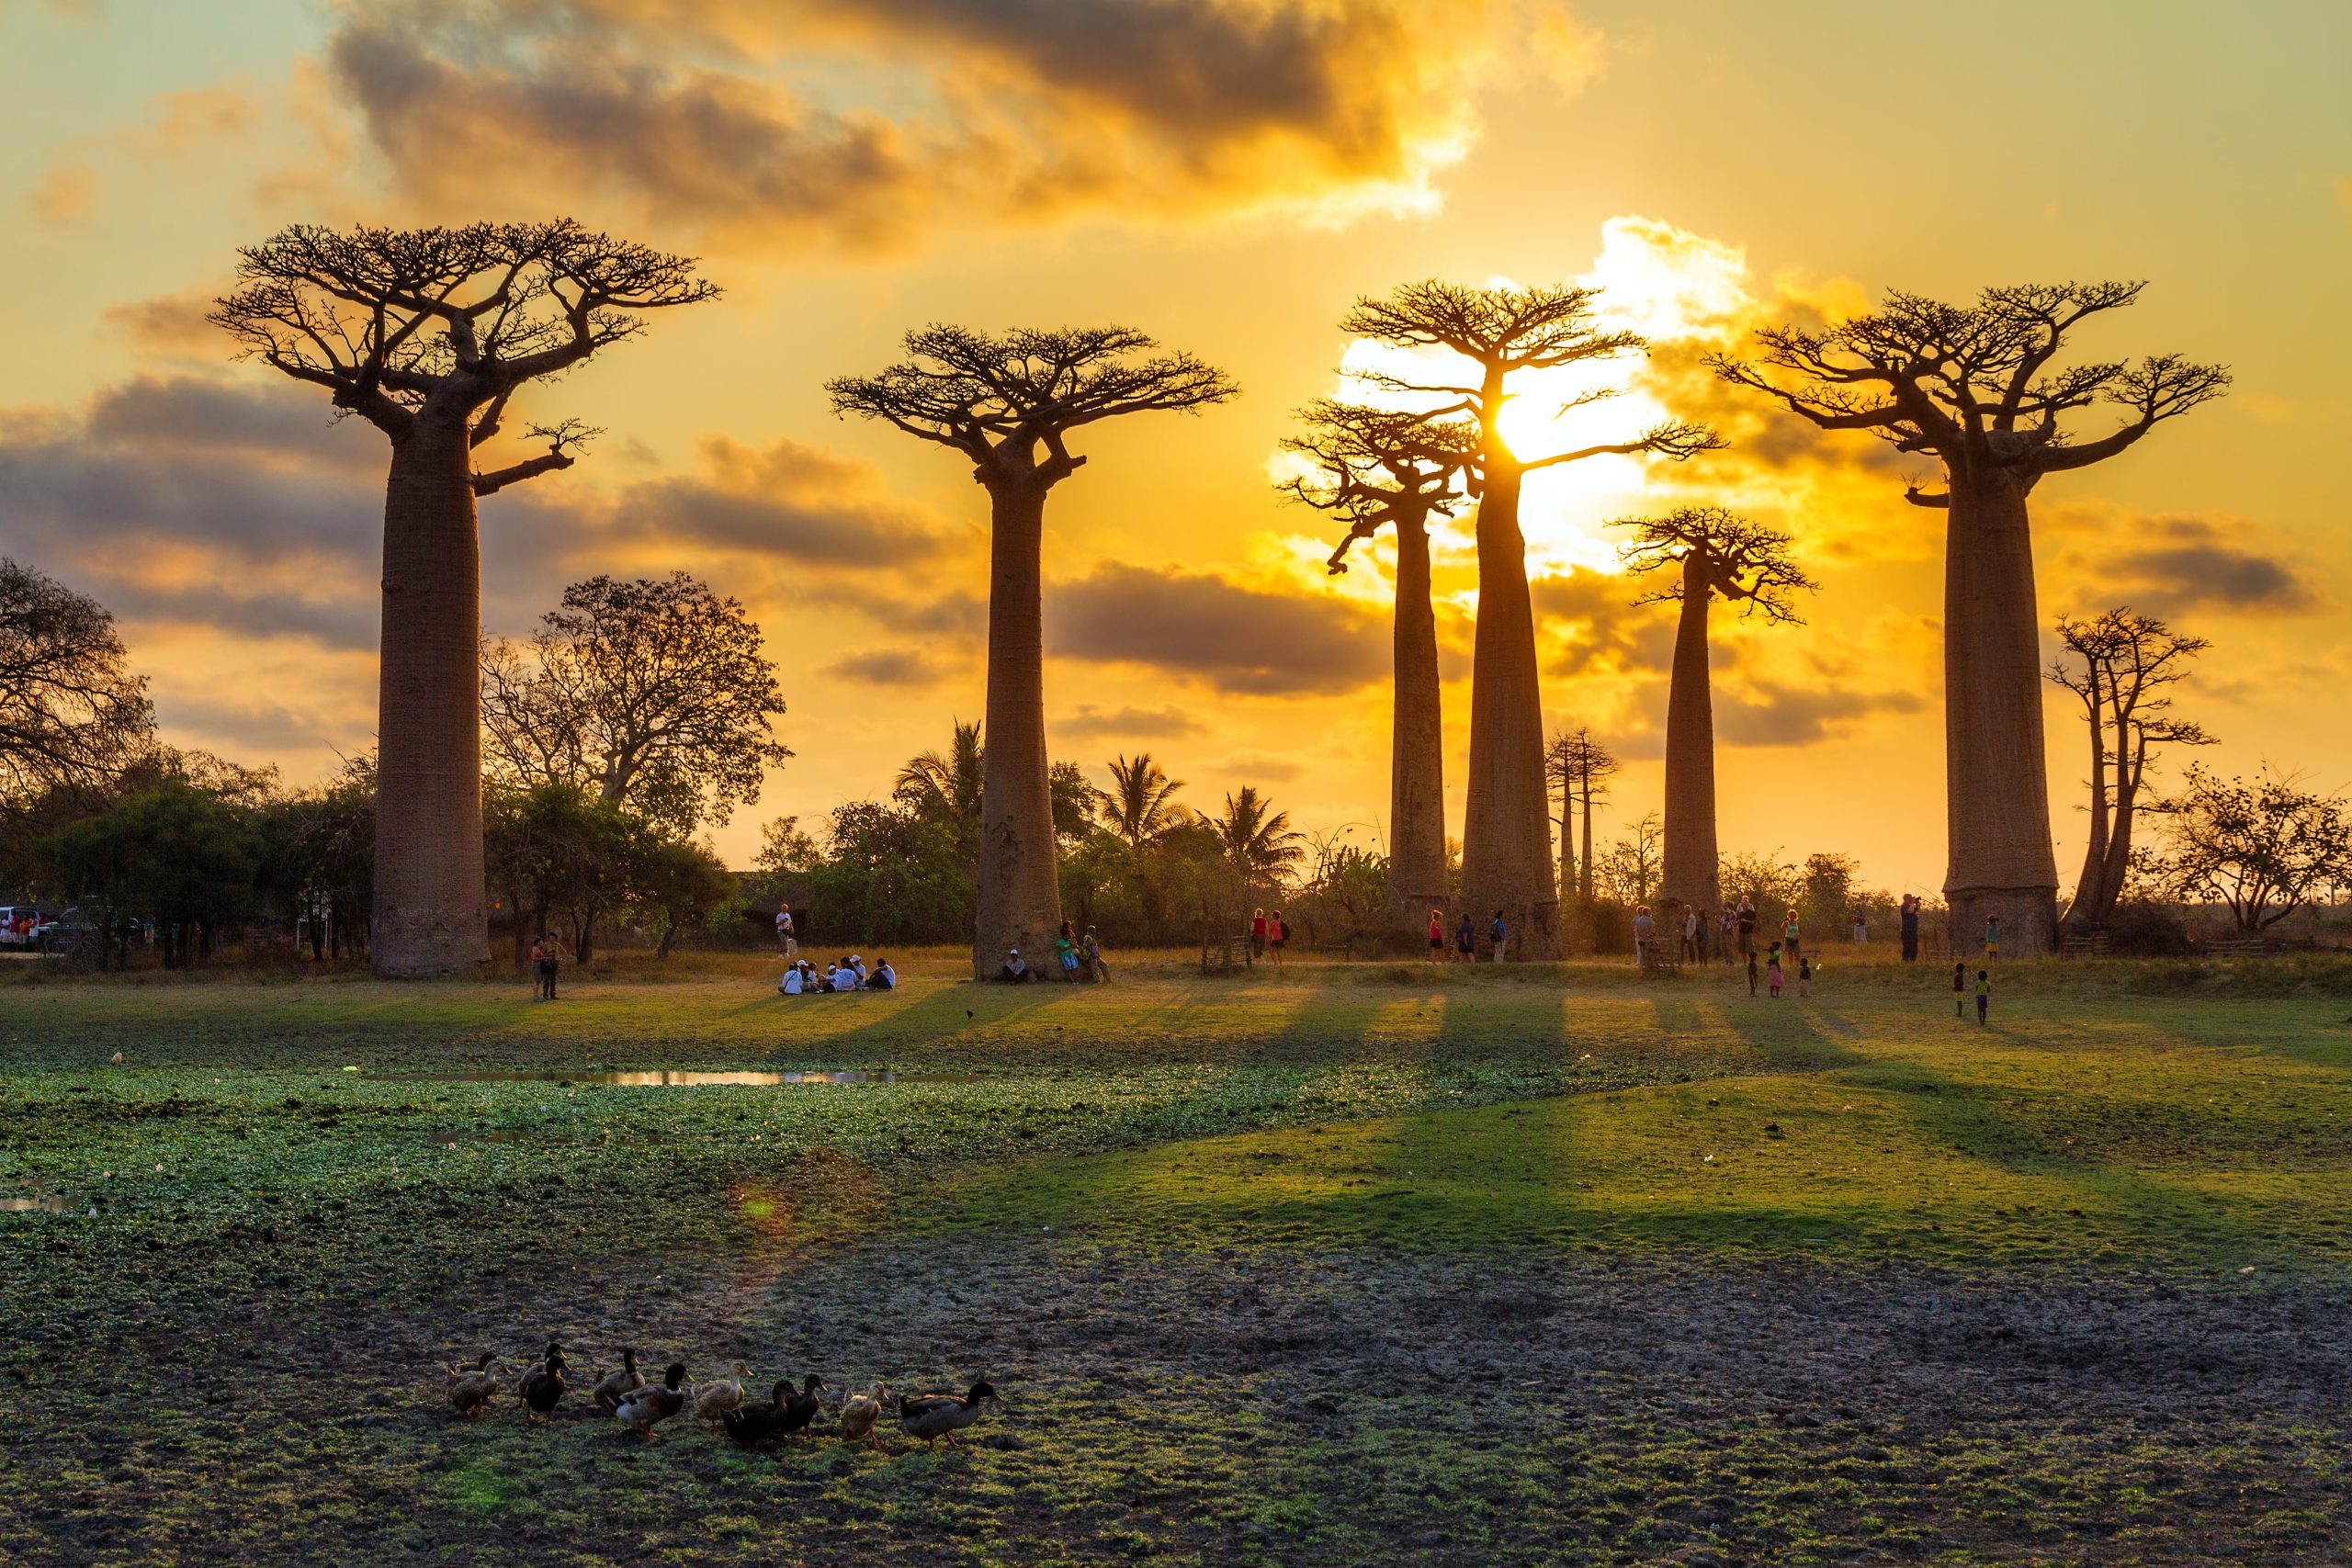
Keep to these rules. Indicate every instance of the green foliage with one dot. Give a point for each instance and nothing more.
(174, 853)
(2262, 847)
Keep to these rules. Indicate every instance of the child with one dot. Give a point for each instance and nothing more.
(1804, 974)
(1096, 969)
(1984, 994)
(1992, 936)
(1772, 971)
(1066, 950)
(1751, 971)
(539, 971)
(1958, 985)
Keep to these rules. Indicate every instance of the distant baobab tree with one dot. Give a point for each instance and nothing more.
(1008, 403)
(1505, 840)
(2127, 660)
(1711, 552)
(1375, 469)
(1976, 387)
(427, 334)
(1581, 766)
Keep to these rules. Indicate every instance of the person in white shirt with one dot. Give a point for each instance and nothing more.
(785, 943)
(885, 979)
(791, 987)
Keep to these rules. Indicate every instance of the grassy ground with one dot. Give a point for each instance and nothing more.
(1345, 1263)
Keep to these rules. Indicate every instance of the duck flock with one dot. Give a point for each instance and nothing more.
(640, 1404)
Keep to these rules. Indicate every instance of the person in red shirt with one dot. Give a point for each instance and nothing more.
(1257, 933)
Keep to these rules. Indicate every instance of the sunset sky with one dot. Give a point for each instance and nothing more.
(1227, 175)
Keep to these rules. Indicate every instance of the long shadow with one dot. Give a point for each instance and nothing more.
(1785, 1036)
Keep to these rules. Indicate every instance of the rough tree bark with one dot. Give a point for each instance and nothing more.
(1020, 896)
(1507, 824)
(1688, 879)
(1416, 880)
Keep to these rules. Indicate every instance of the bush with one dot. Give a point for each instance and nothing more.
(2143, 930)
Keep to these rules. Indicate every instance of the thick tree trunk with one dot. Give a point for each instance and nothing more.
(1020, 898)
(1997, 801)
(1687, 881)
(2119, 834)
(1507, 836)
(1417, 882)
(2090, 906)
(429, 914)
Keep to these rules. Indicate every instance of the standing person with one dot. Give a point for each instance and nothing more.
(1910, 928)
(1691, 935)
(539, 970)
(1805, 977)
(1066, 950)
(1747, 924)
(1437, 936)
(1724, 921)
(785, 944)
(1277, 935)
(1789, 930)
(1772, 971)
(1984, 994)
(1465, 941)
(1096, 970)
(548, 966)
(1861, 927)
(1645, 928)
(1959, 988)
(1257, 933)
(1992, 936)
(1497, 937)
(1751, 971)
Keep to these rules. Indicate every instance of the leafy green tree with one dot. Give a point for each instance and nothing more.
(675, 885)
(174, 853)
(1258, 840)
(1140, 805)
(557, 849)
(323, 858)
(2261, 846)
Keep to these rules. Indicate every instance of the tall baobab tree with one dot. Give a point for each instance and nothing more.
(1375, 468)
(1708, 552)
(1582, 767)
(1008, 403)
(1503, 332)
(427, 334)
(2128, 661)
(1979, 389)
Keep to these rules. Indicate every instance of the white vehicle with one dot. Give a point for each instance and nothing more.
(22, 926)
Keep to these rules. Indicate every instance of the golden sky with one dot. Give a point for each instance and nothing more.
(1226, 174)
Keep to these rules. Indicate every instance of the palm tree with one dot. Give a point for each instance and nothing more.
(946, 788)
(1258, 840)
(1138, 807)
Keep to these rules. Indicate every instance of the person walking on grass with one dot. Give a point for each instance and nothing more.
(1495, 935)
(1958, 989)
(1277, 935)
(1437, 936)
(1257, 933)
(1096, 970)
(1465, 941)
(1645, 930)
(1773, 974)
(550, 955)
(1788, 934)
(1984, 994)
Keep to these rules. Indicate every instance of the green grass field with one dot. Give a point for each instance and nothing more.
(1344, 1264)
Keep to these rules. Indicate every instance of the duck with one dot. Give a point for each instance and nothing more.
(800, 1409)
(934, 1415)
(542, 1386)
(762, 1418)
(716, 1399)
(470, 1389)
(860, 1411)
(618, 1383)
(644, 1406)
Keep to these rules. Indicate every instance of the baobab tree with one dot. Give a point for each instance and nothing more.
(1708, 552)
(2128, 661)
(1375, 468)
(1008, 403)
(427, 334)
(1503, 332)
(1979, 389)
(1582, 767)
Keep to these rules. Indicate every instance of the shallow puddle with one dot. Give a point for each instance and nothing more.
(664, 1079)
(50, 1203)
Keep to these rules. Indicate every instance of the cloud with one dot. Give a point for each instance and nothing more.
(1088, 721)
(1766, 713)
(172, 325)
(1202, 626)
(884, 667)
(65, 194)
(1594, 627)
(693, 113)
(1261, 767)
(2174, 565)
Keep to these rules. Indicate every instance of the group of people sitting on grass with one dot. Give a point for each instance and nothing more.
(800, 976)
(1079, 958)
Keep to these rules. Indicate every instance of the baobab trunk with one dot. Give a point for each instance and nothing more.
(1020, 898)
(1507, 833)
(1417, 882)
(1997, 804)
(429, 914)
(1687, 880)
